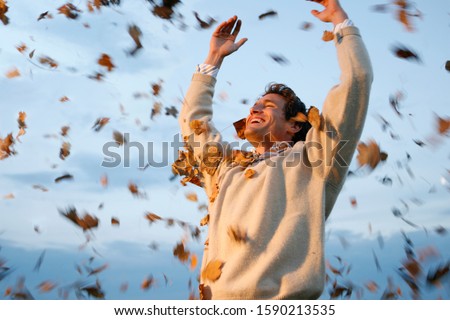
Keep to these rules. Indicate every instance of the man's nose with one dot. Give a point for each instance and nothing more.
(255, 109)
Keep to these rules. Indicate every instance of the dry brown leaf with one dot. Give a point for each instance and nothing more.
(135, 190)
(152, 217)
(6, 146)
(300, 117)
(270, 13)
(314, 117)
(64, 99)
(327, 36)
(156, 88)
(213, 270)
(9, 196)
(100, 123)
(135, 33)
(443, 125)
(45, 60)
(69, 10)
(192, 196)
(22, 47)
(64, 131)
(368, 154)
(105, 61)
(147, 283)
(98, 270)
(239, 126)
(156, 109)
(119, 138)
(86, 222)
(66, 176)
(3, 9)
(205, 220)
(199, 126)
(13, 73)
(180, 252)
(64, 152)
(249, 173)
(305, 26)
(115, 221)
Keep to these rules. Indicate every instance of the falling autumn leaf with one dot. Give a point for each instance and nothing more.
(239, 126)
(270, 13)
(105, 61)
(204, 221)
(447, 65)
(192, 196)
(64, 99)
(115, 221)
(194, 261)
(369, 154)
(3, 9)
(69, 10)
(204, 24)
(166, 9)
(6, 147)
(443, 125)
(279, 58)
(148, 282)
(13, 73)
(213, 270)
(135, 190)
(172, 111)
(45, 60)
(305, 26)
(404, 53)
(86, 222)
(42, 16)
(64, 151)
(135, 33)
(249, 173)
(199, 126)
(152, 217)
(180, 252)
(64, 177)
(119, 138)
(327, 36)
(314, 117)
(100, 123)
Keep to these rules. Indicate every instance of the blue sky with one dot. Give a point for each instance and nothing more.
(420, 185)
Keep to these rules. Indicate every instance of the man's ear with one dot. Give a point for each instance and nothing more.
(294, 127)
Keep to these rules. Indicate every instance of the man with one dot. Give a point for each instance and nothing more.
(267, 211)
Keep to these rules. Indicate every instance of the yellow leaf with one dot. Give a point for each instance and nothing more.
(213, 270)
(249, 173)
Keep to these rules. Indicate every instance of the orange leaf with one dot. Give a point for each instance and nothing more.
(327, 36)
(213, 270)
(14, 73)
(115, 221)
(194, 261)
(148, 283)
(368, 154)
(192, 196)
(105, 61)
(46, 286)
(152, 217)
(314, 117)
(249, 173)
(205, 220)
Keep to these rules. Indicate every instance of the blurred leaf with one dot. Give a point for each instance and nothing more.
(213, 270)
(269, 13)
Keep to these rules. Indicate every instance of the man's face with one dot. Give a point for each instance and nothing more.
(267, 117)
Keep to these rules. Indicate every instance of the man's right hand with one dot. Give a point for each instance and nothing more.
(223, 41)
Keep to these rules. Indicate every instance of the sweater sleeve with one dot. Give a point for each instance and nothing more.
(331, 147)
(197, 128)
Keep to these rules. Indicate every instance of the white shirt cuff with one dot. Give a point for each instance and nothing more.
(207, 69)
(343, 24)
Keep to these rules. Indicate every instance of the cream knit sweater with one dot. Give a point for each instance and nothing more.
(282, 209)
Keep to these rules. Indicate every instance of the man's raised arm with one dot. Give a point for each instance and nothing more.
(196, 113)
(345, 107)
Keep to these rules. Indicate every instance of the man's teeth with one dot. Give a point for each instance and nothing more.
(257, 121)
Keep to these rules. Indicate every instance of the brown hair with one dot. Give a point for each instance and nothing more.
(293, 106)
